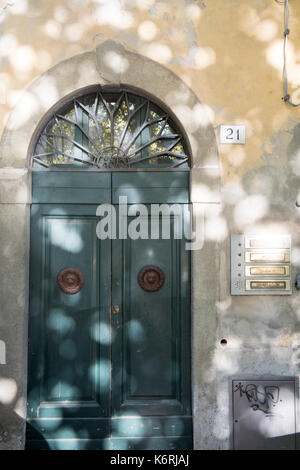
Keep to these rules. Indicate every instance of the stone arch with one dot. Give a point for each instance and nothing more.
(109, 63)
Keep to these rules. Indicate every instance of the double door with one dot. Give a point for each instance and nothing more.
(109, 324)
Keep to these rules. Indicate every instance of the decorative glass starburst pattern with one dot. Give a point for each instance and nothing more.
(111, 130)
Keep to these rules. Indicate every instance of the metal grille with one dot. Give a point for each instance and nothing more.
(111, 130)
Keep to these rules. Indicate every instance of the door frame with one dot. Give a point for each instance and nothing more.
(50, 201)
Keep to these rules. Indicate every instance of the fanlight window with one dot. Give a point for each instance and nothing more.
(111, 130)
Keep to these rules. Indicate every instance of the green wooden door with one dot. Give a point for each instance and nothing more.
(109, 366)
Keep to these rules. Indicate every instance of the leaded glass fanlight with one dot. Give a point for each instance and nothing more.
(111, 129)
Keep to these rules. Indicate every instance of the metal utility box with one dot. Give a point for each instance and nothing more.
(263, 414)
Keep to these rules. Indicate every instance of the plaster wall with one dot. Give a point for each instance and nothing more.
(211, 62)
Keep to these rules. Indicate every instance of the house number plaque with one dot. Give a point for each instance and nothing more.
(260, 265)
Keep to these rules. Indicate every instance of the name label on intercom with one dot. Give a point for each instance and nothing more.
(260, 265)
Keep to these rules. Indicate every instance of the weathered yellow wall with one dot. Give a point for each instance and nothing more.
(230, 52)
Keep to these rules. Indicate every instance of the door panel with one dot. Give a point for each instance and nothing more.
(69, 367)
(100, 378)
(152, 356)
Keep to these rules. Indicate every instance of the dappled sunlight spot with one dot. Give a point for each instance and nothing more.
(159, 52)
(252, 25)
(13, 97)
(202, 193)
(103, 366)
(20, 408)
(248, 19)
(46, 92)
(213, 161)
(203, 115)
(23, 59)
(53, 29)
(58, 321)
(213, 210)
(216, 229)
(43, 60)
(21, 194)
(295, 163)
(19, 7)
(100, 333)
(74, 31)
(8, 44)
(8, 390)
(67, 432)
(196, 117)
(132, 426)
(144, 4)
(284, 411)
(178, 97)
(56, 211)
(294, 75)
(55, 423)
(236, 156)
(61, 14)
(195, 146)
(147, 30)
(114, 14)
(68, 390)
(274, 54)
(224, 305)
(183, 112)
(264, 184)
(296, 256)
(224, 363)
(212, 172)
(135, 331)
(279, 121)
(233, 342)
(269, 230)
(150, 252)
(193, 12)
(250, 209)
(64, 235)
(5, 83)
(116, 62)
(295, 95)
(25, 108)
(203, 57)
(265, 30)
(8, 250)
(67, 349)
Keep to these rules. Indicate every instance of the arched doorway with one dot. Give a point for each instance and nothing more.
(109, 326)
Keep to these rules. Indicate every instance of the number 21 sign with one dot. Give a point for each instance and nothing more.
(232, 134)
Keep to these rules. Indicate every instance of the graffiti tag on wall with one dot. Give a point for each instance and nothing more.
(260, 398)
